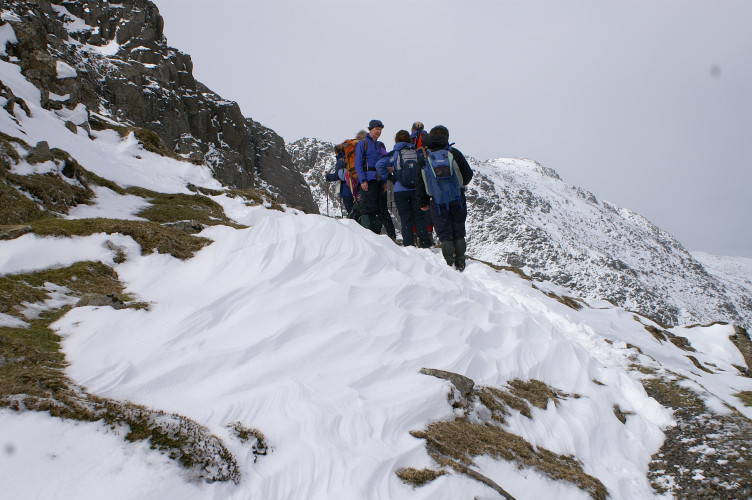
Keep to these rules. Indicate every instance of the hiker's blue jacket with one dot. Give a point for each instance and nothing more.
(372, 155)
(388, 161)
(341, 168)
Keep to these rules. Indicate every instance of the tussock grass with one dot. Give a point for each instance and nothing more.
(699, 365)
(8, 152)
(536, 392)
(169, 208)
(461, 440)
(24, 198)
(249, 434)
(745, 396)
(455, 443)
(418, 477)
(81, 278)
(150, 235)
(150, 140)
(516, 270)
(666, 336)
(707, 325)
(252, 197)
(32, 374)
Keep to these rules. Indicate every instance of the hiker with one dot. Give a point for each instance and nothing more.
(403, 164)
(417, 134)
(440, 189)
(340, 174)
(372, 195)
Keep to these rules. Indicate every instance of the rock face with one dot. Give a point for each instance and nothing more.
(313, 158)
(112, 59)
(521, 214)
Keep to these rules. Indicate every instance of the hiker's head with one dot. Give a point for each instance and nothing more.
(440, 131)
(402, 136)
(374, 128)
(338, 149)
(417, 127)
(361, 135)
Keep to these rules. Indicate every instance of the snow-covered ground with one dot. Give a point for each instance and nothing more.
(736, 269)
(313, 331)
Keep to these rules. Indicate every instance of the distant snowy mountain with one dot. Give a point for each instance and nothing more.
(521, 214)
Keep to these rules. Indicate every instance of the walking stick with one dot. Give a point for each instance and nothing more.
(326, 188)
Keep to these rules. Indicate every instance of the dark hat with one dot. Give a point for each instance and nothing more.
(375, 123)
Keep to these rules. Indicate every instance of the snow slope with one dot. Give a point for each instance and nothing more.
(254, 329)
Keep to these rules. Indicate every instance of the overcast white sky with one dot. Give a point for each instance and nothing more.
(646, 103)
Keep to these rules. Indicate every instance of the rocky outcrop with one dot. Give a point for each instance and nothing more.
(112, 59)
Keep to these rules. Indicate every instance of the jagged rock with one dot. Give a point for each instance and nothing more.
(148, 84)
(462, 383)
(275, 166)
(40, 153)
(13, 232)
(187, 226)
(71, 126)
(100, 300)
(742, 341)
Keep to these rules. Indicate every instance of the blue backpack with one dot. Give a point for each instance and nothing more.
(406, 166)
(442, 179)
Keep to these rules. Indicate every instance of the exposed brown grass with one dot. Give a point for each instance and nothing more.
(461, 440)
(745, 396)
(455, 443)
(150, 235)
(418, 477)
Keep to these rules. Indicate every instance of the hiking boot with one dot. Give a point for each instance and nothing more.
(459, 249)
(460, 265)
(447, 250)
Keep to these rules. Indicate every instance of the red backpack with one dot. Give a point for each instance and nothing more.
(352, 175)
(418, 140)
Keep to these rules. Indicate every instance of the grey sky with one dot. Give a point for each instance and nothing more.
(646, 103)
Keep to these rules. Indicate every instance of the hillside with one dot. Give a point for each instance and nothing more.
(166, 336)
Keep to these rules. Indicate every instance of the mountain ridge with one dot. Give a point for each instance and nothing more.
(522, 214)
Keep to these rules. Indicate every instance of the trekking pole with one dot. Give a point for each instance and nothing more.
(326, 188)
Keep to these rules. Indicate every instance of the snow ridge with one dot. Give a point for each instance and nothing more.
(522, 214)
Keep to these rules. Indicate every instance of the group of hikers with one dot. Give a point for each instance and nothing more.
(429, 178)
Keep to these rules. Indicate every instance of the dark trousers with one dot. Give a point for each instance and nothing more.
(384, 215)
(449, 223)
(347, 202)
(411, 215)
(369, 200)
(369, 206)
